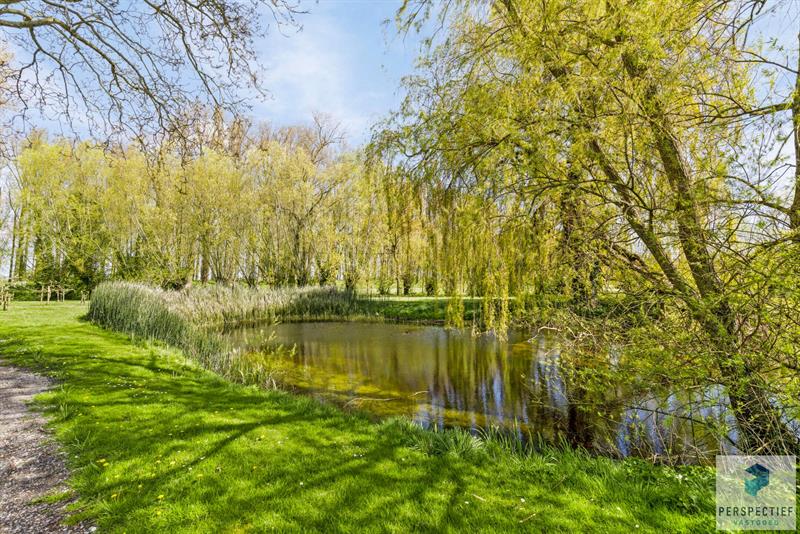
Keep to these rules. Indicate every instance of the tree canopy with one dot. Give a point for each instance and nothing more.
(649, 138)
(132, 65)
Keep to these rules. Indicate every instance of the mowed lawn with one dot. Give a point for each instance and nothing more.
(159, 445)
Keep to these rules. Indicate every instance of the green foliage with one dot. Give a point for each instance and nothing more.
(288, 207)
(454, 314)
(590, 149)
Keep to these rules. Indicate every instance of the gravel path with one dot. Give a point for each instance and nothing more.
(31, 465)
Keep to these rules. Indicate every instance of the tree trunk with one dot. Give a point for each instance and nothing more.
(22, 248)
(205, 268)
(13, 243)
(759, 422)
(794, 210)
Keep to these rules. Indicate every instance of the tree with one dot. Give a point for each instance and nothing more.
(63, 221)
(296, 171)
(607, 105)
(133, 64)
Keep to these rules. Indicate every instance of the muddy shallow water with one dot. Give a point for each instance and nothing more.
(444, 377)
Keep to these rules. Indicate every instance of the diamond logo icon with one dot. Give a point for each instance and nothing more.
(761, 480)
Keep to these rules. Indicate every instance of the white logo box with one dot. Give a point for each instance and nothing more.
(756, 493)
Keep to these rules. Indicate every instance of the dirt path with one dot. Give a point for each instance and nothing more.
(31, 465)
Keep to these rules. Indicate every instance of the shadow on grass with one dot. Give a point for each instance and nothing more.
(156, 444)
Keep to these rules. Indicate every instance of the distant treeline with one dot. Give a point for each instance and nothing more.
(285, 207)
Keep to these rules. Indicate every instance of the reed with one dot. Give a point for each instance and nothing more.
(154, 314)
(138, 310)
(184, 319)
(236, 305)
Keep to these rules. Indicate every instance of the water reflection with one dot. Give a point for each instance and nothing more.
(444, 377)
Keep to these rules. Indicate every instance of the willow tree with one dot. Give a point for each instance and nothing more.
(610, 111)
(69, 241)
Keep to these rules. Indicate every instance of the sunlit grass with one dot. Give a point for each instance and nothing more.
(157, 444)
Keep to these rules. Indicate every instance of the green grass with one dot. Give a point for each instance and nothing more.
(157, 444)
(429, 310)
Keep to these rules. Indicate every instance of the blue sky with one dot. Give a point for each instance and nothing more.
(344, 62)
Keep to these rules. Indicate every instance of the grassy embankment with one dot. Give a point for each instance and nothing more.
(157, 444)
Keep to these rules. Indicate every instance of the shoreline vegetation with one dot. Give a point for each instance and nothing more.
(156, 443)
(191, 319)
(194, 318)
(232, 306)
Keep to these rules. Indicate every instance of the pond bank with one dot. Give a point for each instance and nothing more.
(157, 444)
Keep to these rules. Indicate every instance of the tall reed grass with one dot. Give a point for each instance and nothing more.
(155, 314)
(235, 305)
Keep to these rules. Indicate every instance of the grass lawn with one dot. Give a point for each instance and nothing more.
(413, 309)
(158, 445)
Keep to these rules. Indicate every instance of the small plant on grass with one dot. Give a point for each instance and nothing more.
(64, 407)
(450, 441)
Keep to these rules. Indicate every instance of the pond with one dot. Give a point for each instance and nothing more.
(445, 378)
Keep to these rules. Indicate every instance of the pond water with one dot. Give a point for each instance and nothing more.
(444, 377)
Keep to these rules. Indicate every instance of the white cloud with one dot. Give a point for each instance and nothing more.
(338, 64)
(315, 69)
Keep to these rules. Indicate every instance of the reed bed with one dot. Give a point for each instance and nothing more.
(181, 319)
(236, 305)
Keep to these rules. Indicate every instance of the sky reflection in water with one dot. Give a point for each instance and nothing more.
(445, 378)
